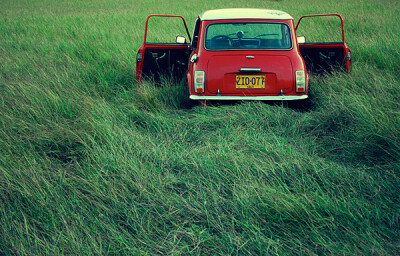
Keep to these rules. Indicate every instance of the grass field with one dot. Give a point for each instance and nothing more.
(93, 163)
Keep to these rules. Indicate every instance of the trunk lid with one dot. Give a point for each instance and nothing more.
(233, 74)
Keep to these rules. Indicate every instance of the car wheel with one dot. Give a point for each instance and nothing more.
(188, 102)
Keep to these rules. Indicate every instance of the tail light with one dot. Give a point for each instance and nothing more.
(300, 81)
(139, 57)
(348, 55)
(348, 61)
(199, 81)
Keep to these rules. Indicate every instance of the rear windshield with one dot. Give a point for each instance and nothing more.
(248, 35)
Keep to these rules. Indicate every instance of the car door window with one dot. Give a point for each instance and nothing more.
(320, 29)
(165, 29)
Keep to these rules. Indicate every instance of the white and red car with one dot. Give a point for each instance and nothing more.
(242, 54)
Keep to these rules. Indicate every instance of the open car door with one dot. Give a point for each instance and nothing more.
(165, 51)
(322, 43)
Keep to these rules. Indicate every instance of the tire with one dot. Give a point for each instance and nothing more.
(188, 102)
(305, 105)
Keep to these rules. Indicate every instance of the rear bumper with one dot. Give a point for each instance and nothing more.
(281, 97)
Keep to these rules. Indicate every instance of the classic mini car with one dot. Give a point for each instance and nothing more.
(242, 54)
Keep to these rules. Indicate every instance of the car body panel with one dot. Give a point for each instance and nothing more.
(244, 13)
(222, 66)
(229, 67)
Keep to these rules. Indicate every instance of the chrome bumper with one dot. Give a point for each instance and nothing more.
(281, 97)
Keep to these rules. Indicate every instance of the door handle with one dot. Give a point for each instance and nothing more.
(155, 55)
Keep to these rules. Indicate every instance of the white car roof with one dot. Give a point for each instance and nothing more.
(244, 13)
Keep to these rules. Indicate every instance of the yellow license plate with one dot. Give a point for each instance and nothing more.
(250, 82)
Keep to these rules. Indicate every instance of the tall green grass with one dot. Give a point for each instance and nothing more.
(93, 163)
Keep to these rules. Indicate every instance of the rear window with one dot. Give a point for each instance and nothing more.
(248, 35)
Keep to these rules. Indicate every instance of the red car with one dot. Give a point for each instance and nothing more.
(242, 54)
